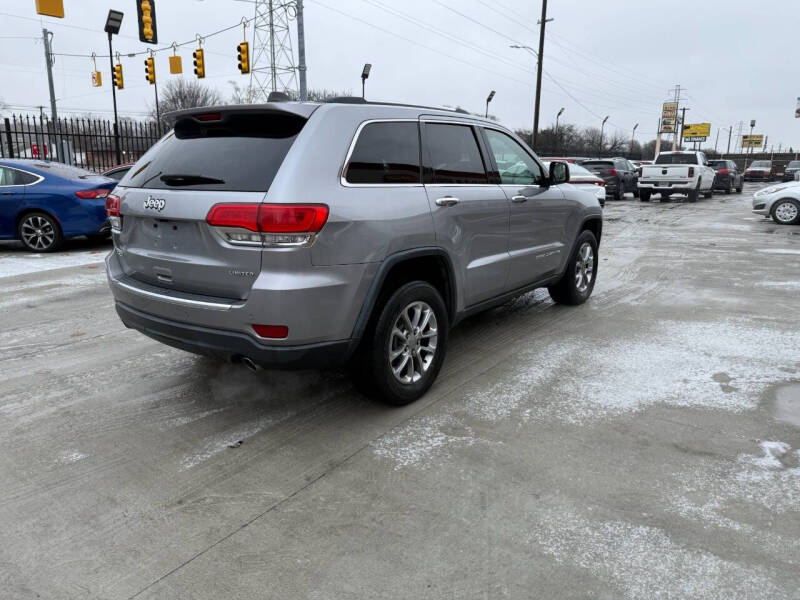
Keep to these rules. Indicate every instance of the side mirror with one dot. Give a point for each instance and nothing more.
(559, 173)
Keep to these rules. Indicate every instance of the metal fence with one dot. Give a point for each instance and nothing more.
(83, 142)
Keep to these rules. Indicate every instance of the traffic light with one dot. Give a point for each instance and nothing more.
(244, 57)
(118, 76)
(146, 10)
(199, 63)
(150, 69)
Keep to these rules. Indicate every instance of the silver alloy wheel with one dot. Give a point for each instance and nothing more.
(412, 342)
(37, 232)
(584, 267)
(786, 212)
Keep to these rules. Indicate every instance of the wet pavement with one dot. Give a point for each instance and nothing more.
(645, 444)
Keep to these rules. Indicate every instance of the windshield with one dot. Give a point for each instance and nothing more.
(241, 152)
(795, 164)
(676, 159)
(65, 171)
(719, 164)
(761, 164)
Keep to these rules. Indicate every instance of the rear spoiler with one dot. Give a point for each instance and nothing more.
(299, 109)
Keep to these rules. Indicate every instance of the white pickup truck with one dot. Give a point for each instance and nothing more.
(677, 173)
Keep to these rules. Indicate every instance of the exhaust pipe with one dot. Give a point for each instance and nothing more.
(248, 362)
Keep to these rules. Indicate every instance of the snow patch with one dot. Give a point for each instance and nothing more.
(779, 251)
(69, 456)
(713, 495)
(423, 438)
(780, 284)
(723, 365)
(643, 562)
(218, 443)
(25, 263)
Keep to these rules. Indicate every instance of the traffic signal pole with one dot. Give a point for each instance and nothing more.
(114, 96)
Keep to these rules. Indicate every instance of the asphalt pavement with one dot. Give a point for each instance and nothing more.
(643, 445)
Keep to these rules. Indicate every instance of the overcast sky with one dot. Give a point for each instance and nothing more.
(618, 58)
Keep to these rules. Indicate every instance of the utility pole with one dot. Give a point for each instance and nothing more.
(47, 37)
(717, 142)
(683, 120)
(658, 139)
(117, 153)
(678, 102)
(301, 51)
(730, 134)
(542, 24)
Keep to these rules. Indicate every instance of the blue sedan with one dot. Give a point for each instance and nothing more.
(43, 202)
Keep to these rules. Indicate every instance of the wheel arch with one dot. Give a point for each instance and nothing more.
(430, 264)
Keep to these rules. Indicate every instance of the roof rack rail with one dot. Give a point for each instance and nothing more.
(346, 100)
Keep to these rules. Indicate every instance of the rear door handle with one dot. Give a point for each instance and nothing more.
(446, 201)
(519, 199)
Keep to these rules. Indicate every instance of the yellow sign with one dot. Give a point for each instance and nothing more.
(752, 141)
(50, 8)
(669, 117)
(697, 130)
(175, 65)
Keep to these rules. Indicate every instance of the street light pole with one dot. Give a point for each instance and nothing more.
(558, 139)
(364, 75)
(633, 135)
(488, 99)
(602, 127)
(114, 96)
(113, 23)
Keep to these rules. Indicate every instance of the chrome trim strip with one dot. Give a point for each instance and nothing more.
(175, 299)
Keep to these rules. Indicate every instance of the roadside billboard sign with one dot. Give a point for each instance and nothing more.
(669, 117)
(752, 141)
(694, 130)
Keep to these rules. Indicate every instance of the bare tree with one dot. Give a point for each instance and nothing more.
(178, 94)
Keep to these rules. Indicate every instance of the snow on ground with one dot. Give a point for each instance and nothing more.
(643, 562)
(419, 440)
(770, 479)
(21, 263)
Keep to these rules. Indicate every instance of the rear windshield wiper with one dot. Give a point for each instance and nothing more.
(188, 179)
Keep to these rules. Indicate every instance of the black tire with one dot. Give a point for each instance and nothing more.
(786, 212)
(709, 193)
(729, 189)
(739, 188)
(566, 290)
(644, 195)
(691, 195)
(619, 194)
(39, 232)
(377, 377)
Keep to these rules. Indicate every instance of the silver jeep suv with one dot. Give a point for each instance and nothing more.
(295, 235)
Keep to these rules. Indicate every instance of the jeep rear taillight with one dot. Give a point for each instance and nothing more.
(691, 171)
(112, 210)
(270, 225)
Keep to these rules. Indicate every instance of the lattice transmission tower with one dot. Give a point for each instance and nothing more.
(274, 68)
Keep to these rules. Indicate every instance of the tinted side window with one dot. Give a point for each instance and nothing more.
(515, 165)
(6, 176)
(385, 153)
(24, 178)
(452, 154)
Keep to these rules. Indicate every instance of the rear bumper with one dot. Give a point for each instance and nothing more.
(231, 345)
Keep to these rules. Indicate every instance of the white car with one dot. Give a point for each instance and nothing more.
(677, 173)
(781, 202)
(584, 179)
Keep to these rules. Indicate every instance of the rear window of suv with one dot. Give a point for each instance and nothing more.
(386, 152)
(676, 159)
(241, 152)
